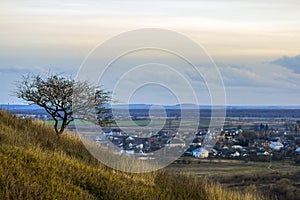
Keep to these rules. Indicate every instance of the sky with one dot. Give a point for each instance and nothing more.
(255, 44)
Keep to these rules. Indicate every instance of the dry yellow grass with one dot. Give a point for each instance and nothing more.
(35, 164)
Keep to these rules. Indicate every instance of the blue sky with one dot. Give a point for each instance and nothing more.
(255, 43)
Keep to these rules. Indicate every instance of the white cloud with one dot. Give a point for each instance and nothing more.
(264, 75)
(292, 63)
(240, 76)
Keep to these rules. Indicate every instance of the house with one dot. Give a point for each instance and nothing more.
(213, 152)
(262, 153)
(177, 142)
(277, 146)
(237, 147)
(235, 154)
(101, 139)
(200, 153)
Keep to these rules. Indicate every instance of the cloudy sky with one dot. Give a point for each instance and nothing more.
(254, 43)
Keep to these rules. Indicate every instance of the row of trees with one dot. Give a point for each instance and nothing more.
(66, 99)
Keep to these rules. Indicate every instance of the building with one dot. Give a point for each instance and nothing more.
(200, 153)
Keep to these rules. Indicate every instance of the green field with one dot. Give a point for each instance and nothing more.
(142, 123)
(272, 178)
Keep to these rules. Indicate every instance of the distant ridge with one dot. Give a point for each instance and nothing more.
(148, 106)
(193, 106)
(19, 107)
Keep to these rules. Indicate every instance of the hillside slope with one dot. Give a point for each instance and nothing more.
(35, 164)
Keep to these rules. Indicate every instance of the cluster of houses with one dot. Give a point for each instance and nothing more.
(234, 143)
(33, 116)
(231, 144)
(130, 143)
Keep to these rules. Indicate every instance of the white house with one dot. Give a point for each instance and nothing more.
(236, 154)
(263, 153)
(177, 142)
(200, 153)
(237, 147)
(277, 146)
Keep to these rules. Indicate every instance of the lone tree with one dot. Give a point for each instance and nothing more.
(62, 98)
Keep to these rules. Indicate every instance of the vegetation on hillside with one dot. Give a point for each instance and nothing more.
(36, 164)
(62, 98)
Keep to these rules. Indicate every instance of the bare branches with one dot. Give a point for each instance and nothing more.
(61, 97)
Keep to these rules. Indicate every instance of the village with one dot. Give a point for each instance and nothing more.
(270, 139)
(235, 143)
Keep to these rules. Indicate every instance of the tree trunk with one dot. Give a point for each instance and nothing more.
(64, 123)
(56, 126)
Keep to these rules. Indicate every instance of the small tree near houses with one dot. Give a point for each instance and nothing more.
(62, 97)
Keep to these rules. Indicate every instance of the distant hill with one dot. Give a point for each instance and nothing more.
(173, 110)
(193, 106)
(12, 107)
(35, 164)
(19, 107)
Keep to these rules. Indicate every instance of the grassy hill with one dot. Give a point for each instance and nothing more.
(35, 164)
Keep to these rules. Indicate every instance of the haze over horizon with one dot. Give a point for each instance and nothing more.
(255, 44)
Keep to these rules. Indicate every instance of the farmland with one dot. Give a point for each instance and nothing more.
(271, 178)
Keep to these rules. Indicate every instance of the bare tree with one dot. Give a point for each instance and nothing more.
(62, 97)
